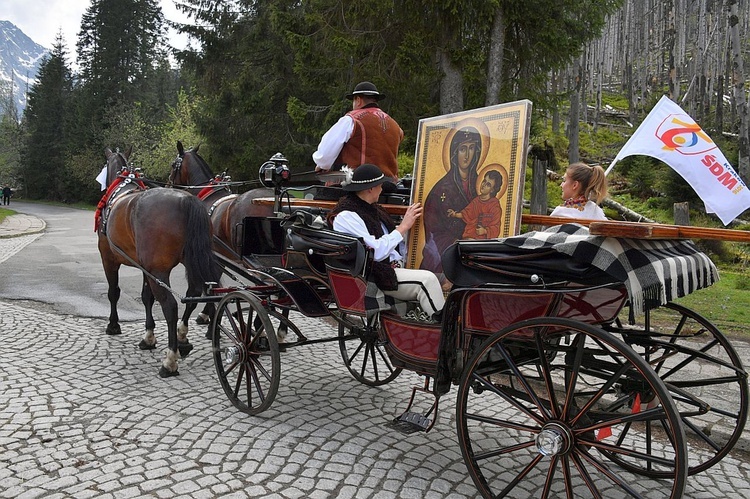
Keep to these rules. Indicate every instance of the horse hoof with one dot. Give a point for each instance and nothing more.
(113, 330)
(208, 335)
(185, 349)
(146, 346)
(202, 321)
(166, 373)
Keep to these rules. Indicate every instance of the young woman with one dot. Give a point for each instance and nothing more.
(583, 188)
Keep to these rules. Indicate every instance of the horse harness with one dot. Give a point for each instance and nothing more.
(114, 192)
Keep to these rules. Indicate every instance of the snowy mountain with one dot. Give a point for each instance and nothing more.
(20, 58)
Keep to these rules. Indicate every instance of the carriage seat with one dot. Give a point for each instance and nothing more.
(338, 250)
(471, 263)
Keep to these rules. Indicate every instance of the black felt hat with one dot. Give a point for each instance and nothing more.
(366, 89)
(366, 176)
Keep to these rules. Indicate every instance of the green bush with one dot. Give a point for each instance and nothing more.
(405, 165)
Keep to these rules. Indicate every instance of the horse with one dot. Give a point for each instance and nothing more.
(153, 230)
(190, 172)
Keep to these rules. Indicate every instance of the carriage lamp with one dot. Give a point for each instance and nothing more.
(274, 171)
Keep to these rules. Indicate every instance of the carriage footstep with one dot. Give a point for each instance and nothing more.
(410, 422)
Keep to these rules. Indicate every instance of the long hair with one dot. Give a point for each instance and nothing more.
(592, 179)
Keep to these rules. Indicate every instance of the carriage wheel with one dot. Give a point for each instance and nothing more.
(246, 352)
(704, 374)
(544, 403)
(364, 353)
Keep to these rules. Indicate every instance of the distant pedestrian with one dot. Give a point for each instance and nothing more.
(7, 191)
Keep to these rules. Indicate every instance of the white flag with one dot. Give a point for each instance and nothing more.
(670, 135)
(102, 177)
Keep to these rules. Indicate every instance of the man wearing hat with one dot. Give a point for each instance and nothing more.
(358, 213)
(366, 134)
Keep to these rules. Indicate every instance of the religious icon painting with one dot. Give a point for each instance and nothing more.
(468, 174)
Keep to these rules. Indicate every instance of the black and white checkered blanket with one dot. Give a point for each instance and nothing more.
(654, 271)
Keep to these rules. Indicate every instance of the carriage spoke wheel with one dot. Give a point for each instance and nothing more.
(703, 372)
(364, 353)
(246, 352)
(543, 405)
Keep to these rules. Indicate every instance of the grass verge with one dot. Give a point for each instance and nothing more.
(725, 304)
(4, 212)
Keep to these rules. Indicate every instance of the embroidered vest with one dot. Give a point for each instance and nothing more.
(375, 140)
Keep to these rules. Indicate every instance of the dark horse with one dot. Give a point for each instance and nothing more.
(190, 171)
(153, 230)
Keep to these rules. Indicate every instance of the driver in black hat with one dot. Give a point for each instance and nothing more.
(358, 213)
(366, 134)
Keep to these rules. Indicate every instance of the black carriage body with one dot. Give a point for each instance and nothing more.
(471, 314)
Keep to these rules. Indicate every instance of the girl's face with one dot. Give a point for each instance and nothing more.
(466, 152)
(570, 188)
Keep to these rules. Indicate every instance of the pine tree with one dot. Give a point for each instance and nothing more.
(121, 49)
(47, 119)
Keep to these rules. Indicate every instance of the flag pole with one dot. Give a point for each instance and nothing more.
(611, 165)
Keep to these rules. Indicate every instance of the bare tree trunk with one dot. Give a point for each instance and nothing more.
(451, 85)
(674, 82)
(719, 119)
(699, 92)
(556, 109)
(738, 83)
(574, 115)
(599, 76)
(495, 59)
(629, 90)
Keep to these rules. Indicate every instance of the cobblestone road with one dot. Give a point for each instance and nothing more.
(83, 414)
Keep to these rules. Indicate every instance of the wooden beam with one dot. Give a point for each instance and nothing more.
(640, 230)
(609, 228)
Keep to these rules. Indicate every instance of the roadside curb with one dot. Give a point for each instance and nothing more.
(21, 224)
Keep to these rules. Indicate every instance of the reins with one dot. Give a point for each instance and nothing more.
(136, 265)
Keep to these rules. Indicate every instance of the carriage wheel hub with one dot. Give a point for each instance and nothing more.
(232, 354)
(554, 439)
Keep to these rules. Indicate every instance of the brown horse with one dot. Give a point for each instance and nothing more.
(153, 230)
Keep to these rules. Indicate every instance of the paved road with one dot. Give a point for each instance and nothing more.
(63, 270)
(83, 414)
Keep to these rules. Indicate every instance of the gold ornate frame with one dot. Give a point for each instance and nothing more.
(503, 132)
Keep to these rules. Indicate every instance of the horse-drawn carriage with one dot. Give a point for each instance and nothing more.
(575, 373)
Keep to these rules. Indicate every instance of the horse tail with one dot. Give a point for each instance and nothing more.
(199, 260)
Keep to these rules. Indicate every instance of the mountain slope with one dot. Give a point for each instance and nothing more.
(20, 58)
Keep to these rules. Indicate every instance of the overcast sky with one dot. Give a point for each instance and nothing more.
(41, 20)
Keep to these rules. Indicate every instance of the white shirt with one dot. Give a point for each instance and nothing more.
(591, 211)
(390, 246)
(332, 142)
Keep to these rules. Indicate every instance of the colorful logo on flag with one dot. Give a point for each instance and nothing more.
(678, 132)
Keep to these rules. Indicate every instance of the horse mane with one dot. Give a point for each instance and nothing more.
(201, 163)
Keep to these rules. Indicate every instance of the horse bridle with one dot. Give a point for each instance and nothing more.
(176, 166)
